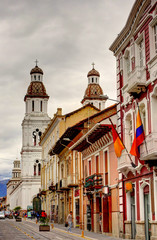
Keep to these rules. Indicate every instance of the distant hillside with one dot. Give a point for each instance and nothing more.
(3, 187)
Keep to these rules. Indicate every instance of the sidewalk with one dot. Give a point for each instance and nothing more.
(87, 234)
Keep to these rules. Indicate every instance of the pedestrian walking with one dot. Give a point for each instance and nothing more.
(69, 220)
(100, 221)
(38, 216)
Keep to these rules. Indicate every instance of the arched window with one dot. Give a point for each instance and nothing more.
(33, 106)
(143, 115)
(34, 170)
(41, 106)
(62, 171)
(76, 165)
(128, 131)
(34, 77)
(39, 77)
(36, 136)
(39, 169)
(92, 80)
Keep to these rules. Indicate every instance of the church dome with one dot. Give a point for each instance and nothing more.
(93, 91)
(93, 72)
(36, 89)
(36, 69)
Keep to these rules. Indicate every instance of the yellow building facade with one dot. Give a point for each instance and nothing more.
(52, 164)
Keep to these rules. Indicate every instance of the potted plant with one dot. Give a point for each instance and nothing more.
(44, 226)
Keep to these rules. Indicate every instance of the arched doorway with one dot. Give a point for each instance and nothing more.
(37, 204)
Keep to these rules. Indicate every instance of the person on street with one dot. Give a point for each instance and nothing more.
(69, 220)
(38, 216)
(100, 221)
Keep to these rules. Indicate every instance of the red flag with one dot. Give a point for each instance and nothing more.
(118, 145)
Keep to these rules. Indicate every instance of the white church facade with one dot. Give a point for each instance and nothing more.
(34, 123)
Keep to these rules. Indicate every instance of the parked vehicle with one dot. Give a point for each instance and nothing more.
(2, 215)
(7, 214)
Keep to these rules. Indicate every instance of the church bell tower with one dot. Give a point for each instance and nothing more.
(34, 123)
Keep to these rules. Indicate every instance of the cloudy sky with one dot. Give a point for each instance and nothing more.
(66, 36)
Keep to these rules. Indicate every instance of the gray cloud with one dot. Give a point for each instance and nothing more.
(66, 37)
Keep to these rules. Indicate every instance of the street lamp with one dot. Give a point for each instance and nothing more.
(105, 97)
(68, 140)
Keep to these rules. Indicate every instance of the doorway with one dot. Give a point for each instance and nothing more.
(133, 224)
(105, 214)
(62, 220)
(147, 215)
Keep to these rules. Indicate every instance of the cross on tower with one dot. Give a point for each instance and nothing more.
(93, 65)
(36, 62)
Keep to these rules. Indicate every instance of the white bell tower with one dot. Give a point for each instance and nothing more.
(93, 94)
(35, 121)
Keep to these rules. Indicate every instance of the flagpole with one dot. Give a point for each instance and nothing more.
(132, 163)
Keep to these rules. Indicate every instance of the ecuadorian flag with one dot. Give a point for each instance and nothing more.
(139, 137)
(118, 145)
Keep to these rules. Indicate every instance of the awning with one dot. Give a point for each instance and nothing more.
(62, 143)
(98, 131)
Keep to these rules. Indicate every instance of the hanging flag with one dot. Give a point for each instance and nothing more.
(139, 137)
(118, 145)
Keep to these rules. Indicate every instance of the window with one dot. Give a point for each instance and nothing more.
(106, 167)
(34, 170)
(155, 37)
(76, 166)
(41, 106)
(39, 169)
(141, 53)
(33, 106)
(62, 171)
(90, 167)
(92, 80)
(143, 116)
(39, 78)
(128, 131)
(34, 77)
(97, 164)
(128, 64)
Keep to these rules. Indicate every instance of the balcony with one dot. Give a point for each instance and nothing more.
(52, 187)
(94, 182)
(72, 181)
(148, 149)
(63, 184)
(124, 164)
(137, 81)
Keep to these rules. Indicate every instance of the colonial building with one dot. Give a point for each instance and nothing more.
(16, 177)
(52, 165)
(88, 178)
(34, 123)
(135, 49)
